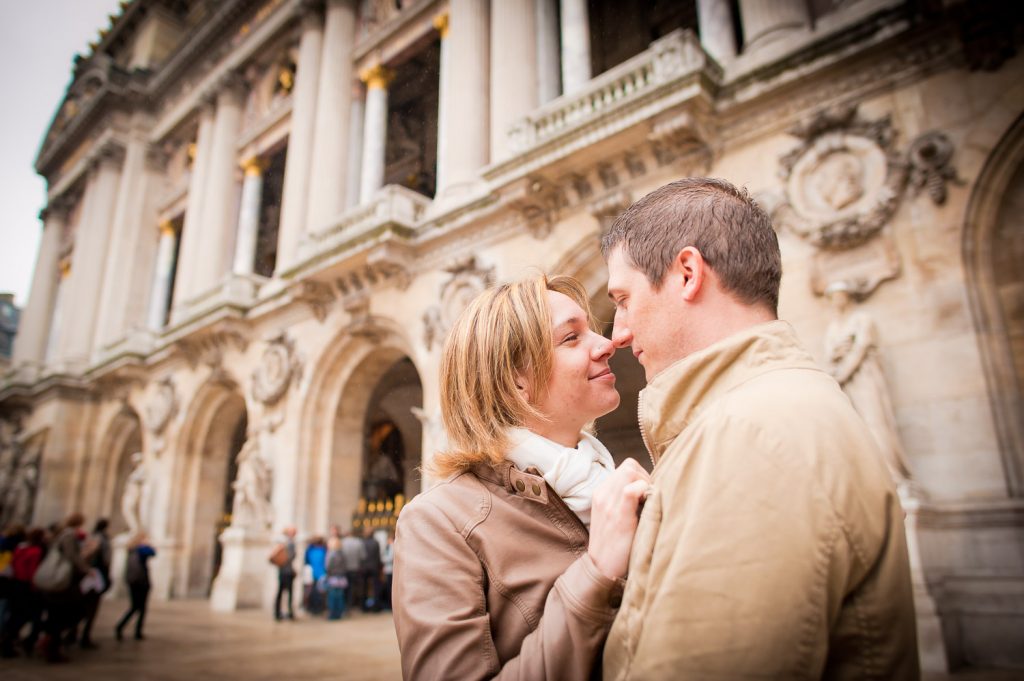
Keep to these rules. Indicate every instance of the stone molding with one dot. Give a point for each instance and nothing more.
(279, 367)
(466, 280)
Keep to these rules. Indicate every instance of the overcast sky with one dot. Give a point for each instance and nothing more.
(38, 40)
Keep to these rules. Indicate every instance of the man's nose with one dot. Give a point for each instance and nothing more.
(621, 335)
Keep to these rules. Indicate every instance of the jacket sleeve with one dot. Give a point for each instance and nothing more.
(743, 569)
(441, 618)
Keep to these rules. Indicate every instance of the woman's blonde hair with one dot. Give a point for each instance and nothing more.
(502, 337)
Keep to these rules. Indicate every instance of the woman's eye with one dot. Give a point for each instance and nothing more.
(570, 338)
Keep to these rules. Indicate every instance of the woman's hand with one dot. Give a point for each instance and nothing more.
(613, 517)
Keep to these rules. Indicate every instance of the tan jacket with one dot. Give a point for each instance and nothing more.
(773, 543)
(492, 580)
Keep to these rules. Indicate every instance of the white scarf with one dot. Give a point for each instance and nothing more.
(572, 473)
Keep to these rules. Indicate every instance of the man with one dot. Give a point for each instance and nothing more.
(354, 550)
(286, 575)
(101, 562)
(772, 542)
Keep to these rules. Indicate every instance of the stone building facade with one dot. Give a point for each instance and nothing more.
(263, 215)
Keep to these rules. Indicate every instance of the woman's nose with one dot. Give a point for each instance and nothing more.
(603, 348)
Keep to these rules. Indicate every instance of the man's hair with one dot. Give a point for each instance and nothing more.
(503, 336)
(733, 234)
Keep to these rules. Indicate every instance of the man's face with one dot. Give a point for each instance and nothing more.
(645, 319)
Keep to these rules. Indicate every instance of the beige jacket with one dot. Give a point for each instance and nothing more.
(492, 580)
(773, 543)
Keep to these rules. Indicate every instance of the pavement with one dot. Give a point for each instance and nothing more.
(186, 641)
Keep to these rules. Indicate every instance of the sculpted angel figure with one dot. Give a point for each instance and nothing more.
(852, 355)
(253, 484)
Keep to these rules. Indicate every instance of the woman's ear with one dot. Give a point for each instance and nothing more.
(522, 385)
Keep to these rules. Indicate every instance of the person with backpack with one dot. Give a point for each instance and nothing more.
(63, 597)
(136, 575)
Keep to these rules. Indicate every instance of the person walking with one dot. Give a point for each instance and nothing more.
(64, 606)
(136, 576)
(285, 573)
(101, 563)
(371, 571)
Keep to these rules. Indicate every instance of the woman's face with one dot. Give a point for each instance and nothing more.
(581, 386)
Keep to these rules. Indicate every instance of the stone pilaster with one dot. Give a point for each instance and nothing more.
(355, 146)
(717, 35)
(57, 319)
(34, 326)
(463, 120)
(766, 21)
(549, 58)
(218, 221)
(191, 234)
(164, 271)
(513, 79)
(88, 260)
(575, 45)
(300, 137)
(375, 129)
(329, 178)
(249, 216)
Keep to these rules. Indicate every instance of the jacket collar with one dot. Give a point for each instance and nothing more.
(677, 395)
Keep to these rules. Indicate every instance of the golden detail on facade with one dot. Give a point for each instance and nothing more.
(166, 228)
(253, 166)
(377, 77)
(441, 24)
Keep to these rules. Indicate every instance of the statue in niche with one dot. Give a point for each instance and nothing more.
(252, 485)
(384, 479)
(134, 493)
(851, 352)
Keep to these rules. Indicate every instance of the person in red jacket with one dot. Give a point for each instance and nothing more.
(26, 604)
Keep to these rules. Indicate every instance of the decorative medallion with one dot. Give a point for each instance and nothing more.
(467, 280)
(929, 157)
(844, 181)
(162, 406)
(278, 367)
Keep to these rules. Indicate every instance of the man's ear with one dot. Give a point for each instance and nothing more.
(692, 269)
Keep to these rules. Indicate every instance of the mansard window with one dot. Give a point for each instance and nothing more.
(410, 152)
(270, 213)
(620, 30)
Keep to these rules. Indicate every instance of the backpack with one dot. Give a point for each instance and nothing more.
(54, 573)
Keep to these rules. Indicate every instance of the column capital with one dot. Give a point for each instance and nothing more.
(253, 166)
(441, 24)
(65, 268)
(166, 227)
(377, 77)
(233, 84)
(311, 13)
(59, 208)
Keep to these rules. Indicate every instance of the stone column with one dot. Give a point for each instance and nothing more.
(219, 206)
(329, 178)
(191, 232)
(355, 147)
(549, 60)
(300, 137)
(514, 88)
(766, 21)
(92, 240)
(463, 121)
(717, 36)
(161, 290)
(57, 319)
(575, 45)
(34, 326)
(375, 129)
(249, 216)
(116, 287)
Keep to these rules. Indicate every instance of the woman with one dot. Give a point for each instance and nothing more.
(512, 567)
(136, 575)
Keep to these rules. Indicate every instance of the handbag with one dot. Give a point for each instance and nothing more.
(54, 573)
(279, 556)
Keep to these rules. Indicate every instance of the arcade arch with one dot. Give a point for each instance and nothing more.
(122, 439)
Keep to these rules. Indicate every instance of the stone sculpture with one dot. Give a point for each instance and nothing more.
(134, 488)
(253, 485)
(852, 356)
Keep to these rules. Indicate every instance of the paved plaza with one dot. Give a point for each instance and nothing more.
(186, 641)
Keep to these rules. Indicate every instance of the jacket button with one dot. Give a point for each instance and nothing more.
(536, 489)
(520, 485)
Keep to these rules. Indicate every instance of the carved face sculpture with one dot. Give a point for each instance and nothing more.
(839, 180)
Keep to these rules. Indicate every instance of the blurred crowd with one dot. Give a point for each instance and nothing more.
(52, 581)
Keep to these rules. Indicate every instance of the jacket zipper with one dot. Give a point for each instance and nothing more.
(640, 423)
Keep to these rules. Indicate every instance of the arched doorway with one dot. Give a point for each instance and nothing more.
(994, 260)
(218, 422)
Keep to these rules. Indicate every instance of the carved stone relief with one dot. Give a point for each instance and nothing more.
(161, 407)
(467, 280)
(279, 367)
(930, 169)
